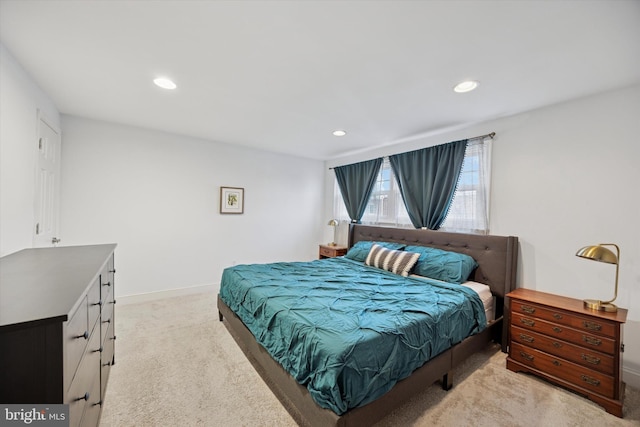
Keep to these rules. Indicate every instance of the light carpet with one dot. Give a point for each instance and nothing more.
(177, 365)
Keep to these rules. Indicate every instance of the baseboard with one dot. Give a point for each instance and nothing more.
(170, 293)
(631, 377)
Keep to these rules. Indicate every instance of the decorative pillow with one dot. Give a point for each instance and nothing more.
(398, 262)
(361, 249)
(452, 267)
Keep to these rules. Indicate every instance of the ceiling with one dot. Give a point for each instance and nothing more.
(282, 75)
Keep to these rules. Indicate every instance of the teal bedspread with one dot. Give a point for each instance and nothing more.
(347, 331)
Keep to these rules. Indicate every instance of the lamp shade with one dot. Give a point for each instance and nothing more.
(602, 254)
(598, 253)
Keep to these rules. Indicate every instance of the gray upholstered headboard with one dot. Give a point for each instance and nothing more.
(496, 255)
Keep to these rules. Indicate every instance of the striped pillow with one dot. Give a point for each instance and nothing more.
(398, 262)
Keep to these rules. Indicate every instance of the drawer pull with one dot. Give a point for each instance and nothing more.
(557, 316)
(556, 329)
(85, 335)
(556, 362)
(591, 340)
(592, 326)
(106, 364)
(590, 380)
(590, 359)
(527, 322)
(98, 303)
(85, 397)
(528, 309)
(112, 271)
(106, 284)
(556, 344)
(526, 338)
(527, 356)
(106, 321)
(98, 350)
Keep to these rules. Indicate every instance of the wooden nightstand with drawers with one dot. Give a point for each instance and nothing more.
(329, 251)
(556, 338)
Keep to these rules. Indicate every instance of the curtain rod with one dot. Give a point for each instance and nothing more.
(490, 135)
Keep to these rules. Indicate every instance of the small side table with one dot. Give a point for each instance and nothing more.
(328, 251)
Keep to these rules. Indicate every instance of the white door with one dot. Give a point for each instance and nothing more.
(47, 186)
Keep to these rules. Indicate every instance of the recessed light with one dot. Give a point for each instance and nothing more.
(165, 83)
(466, 86)
(339, 133)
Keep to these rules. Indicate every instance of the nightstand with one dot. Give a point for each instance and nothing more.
(328, 251)
(556, 338)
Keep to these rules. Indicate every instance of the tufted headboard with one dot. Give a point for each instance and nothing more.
(496, 255)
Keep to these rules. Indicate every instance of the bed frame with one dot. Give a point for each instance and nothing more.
(497, 260)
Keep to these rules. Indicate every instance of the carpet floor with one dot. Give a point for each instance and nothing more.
(177, 365)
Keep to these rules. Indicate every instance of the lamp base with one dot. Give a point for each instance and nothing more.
(594, 304)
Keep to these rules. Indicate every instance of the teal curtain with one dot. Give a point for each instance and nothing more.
(356, 183)
(428, 179)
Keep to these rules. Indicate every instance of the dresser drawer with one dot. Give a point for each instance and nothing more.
(585, 324)
(106, 281)
(76, 337)
(558, 367)
(107, 319)
(326, 252)
(108, 350)
(106, 291)
(93, 406)
(81, 392)
(94, 303)
(583, 356)
(565, 333)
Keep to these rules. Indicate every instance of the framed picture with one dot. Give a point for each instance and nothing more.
(231, 200)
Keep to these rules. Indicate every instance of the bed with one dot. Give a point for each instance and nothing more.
(495, 266)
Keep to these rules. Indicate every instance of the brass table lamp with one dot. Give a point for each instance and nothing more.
(602, 254)
(333, 223)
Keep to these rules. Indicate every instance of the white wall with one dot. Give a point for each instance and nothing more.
(157, 196)
(21, 101)
(564, 177)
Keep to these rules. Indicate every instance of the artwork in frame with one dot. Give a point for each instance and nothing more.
(231, 200)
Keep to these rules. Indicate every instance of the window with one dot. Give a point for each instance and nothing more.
(469, 211)
(385, 206)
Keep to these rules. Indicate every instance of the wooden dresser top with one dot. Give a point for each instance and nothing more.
(45, 284)
(566, 303)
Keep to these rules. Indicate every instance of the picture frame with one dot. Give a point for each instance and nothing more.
(231, 200)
